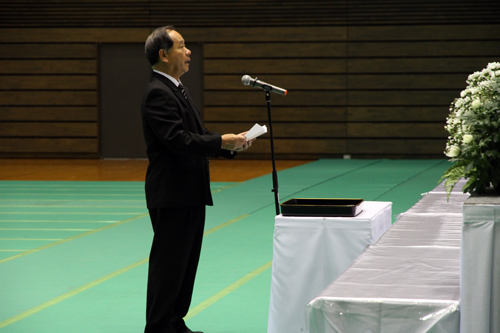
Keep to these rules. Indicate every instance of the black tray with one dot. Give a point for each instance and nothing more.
(322, 207)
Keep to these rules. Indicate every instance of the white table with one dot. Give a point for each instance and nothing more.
(480, 265)
(310, 252)
(409, 281)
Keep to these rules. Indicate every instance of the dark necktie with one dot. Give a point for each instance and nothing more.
(183, 91)
(193, 109)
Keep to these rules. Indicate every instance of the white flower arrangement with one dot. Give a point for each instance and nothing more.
(474, 133)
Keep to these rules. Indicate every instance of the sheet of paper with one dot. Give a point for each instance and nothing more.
(256, 131)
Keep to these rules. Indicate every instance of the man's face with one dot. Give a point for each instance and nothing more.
(178, 56)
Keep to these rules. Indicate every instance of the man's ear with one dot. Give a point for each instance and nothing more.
(163, 55)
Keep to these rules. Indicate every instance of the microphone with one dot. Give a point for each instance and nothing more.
(248, 81)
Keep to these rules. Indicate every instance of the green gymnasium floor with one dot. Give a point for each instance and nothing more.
(73, 255)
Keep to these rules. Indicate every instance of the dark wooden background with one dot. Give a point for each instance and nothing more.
(370, 79)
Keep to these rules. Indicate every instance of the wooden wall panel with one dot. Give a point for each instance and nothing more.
(424, 49)
(309, 148)
(243, 13)
(291, 82)
(48, 146)
(418, 65)
(396, 130)
(49, 129)
(279, 114)
(51, 51)
(387, 85)
(63, 34)
(409, 114)
(48, 113)
(48, 82)
(48, 99)
(289, 130)
(402, 97)
(256, 34)
(448, 32)
(310, 121)
(399, 81)
(406, 147)
(47, 66)
(276, 50)
(253, 97)
(363, 79)
(274, 66)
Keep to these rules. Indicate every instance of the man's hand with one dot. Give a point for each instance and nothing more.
(233, 141)
(247, 143)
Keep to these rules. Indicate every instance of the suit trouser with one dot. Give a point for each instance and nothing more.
(175, 252)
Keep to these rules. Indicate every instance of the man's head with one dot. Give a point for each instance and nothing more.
(166, 51)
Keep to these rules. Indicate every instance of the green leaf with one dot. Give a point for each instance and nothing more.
(452, 176)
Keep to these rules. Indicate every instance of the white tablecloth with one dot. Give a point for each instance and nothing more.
(408, 281)
(310, 252)
(480, 266)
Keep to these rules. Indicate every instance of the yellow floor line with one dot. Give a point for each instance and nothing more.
(52, 221)
(31, 239)
(44, 229)
(69, 213)
(208, 232)
(103, 228)
(69, 294)
(194, 311)
(224, 188)
(79, 200)
(85, 194)
(74, 206)
(72, 238)
(42, 187)
(206, 303)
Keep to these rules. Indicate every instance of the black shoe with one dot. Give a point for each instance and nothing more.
(189, 331)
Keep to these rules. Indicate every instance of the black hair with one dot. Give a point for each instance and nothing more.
(159, 39)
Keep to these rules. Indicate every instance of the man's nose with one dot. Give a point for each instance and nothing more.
(188, 52)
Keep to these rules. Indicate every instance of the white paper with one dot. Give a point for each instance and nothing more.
(256, 131)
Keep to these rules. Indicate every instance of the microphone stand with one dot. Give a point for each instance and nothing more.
(275, 174)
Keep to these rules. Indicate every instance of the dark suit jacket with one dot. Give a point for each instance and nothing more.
(178, 147)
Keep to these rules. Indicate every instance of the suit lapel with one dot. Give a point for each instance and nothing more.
(188, 103)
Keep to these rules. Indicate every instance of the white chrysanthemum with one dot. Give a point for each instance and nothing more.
(454, 151)
(493, 65)
(476, 104)
(467, 138)
(474, 126)
(474, 75)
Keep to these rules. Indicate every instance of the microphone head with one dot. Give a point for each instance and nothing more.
(245, 79)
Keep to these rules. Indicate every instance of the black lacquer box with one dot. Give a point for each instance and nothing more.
(322, 207)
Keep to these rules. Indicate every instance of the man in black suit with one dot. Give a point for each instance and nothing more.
(177, 180)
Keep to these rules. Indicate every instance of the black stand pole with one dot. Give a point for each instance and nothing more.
(275, 174)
